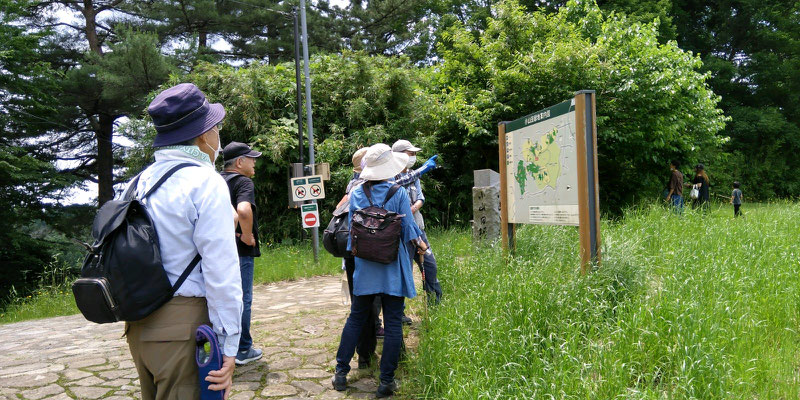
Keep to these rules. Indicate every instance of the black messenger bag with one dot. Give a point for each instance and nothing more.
(122, 278)
(375, 232)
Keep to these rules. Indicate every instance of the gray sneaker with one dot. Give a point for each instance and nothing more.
(244, 357)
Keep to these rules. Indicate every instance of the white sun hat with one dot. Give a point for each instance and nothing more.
(381, 163)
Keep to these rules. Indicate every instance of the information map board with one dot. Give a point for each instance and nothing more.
(548, 172)
(541, 167)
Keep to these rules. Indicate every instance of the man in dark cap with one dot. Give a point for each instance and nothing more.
(240, 163)
(192, 213)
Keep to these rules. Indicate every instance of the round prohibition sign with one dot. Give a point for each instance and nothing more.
(310, 219)
(315, 190)
(300, 192)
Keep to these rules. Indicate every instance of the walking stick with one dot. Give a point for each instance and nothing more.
(422, 270)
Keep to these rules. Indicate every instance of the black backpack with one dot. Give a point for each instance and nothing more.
(122, 278)
(334, 237)
(375, 231)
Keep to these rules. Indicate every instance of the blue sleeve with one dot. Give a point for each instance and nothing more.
(420, 196)
(408, 177)
(410, 229)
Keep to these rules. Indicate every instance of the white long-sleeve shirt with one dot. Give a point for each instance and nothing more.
(192, 214)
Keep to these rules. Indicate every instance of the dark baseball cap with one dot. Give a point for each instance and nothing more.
(238, 149)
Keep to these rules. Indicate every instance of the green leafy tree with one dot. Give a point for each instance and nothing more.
(107, 71)
(751, 50)
(254, 30)
(30, 185)
(652, 100)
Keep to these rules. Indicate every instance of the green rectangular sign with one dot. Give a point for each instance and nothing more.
(542, 115)
(314, 180)
(308, 207)
(298, 182)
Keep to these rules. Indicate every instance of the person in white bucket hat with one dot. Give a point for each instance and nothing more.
(393, 282)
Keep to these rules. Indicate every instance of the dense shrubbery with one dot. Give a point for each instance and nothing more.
(653, 105)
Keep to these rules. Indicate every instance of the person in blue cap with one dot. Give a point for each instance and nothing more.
(192, 213)
(239, 168)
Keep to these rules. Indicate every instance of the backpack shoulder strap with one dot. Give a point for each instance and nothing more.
(165, 177)
(185, 274)
(390, 193)
(131, 191)
(229, 177)
(366, 186)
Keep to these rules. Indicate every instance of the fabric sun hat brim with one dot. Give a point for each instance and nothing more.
(192, 129)
(387, 165)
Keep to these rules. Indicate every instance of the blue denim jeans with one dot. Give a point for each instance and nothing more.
(246, 266)
(677, 203)
(393, 331)
(368, 341)
(431, 283)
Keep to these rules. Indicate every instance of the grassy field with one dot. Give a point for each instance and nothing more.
(696, 306)
(276, 263)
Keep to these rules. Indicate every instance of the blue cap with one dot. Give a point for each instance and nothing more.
(181, 113)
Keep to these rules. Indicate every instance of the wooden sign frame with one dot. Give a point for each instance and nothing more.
(588, 193)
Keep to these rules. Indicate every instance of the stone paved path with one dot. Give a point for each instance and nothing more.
(297, 324)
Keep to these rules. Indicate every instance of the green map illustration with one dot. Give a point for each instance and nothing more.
(540, 162)
(541, 167)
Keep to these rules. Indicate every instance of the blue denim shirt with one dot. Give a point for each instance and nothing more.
(396, 278)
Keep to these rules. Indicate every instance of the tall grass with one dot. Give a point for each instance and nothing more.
(692, 306)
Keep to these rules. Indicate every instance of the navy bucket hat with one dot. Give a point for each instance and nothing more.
(181, 113)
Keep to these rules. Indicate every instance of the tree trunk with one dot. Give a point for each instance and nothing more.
(105, 160)
(104, 129)
(90, 15)
(202, 40)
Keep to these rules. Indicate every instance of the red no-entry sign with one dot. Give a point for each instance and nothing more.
(309, 215)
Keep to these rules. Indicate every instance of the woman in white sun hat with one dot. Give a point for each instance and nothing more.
(393, 282)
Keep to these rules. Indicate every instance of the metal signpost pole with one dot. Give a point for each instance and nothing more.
(297, 81)
(309, 121)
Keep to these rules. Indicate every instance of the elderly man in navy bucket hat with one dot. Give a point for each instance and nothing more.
(192, 214)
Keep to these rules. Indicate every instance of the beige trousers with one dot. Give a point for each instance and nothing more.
(163, 349)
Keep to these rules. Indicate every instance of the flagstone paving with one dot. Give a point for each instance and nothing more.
(297, 324)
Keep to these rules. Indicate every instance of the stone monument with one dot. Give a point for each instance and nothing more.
(486, 206)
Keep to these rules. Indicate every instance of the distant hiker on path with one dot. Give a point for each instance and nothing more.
(736, 200)
(675, 186)
(701, 183)
(240, 167)
(192, 214)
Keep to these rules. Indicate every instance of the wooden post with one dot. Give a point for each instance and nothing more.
(588, 197)
(506, 228)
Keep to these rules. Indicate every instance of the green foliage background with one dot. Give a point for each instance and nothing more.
(653, 106)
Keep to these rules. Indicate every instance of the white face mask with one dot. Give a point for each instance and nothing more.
(411, 161)
(218, 149)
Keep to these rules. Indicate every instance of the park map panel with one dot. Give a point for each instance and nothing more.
(541, 167)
